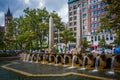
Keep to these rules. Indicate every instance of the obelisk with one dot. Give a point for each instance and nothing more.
(51, 34)
(79, 28)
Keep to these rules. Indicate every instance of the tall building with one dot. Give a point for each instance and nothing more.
(84, 15)
(96, 9)
(78, 19)
(8, 18)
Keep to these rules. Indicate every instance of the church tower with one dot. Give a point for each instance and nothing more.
(8, 18)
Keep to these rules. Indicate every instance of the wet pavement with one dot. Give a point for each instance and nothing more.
(37, 68)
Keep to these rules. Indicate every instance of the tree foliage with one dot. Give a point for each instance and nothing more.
(31, 30)
(67, 36)
(111, 20)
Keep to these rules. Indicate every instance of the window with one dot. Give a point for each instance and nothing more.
(103, 4)
(95, 12)
(70, 19)
(95, 1)
(75, 12)
(111, 37)
(70, 24)
(98, 5)
(94, 6)
(95, 38)
(92, 13)
(74, 34)
(98, 18)
(99, 24)
(98, 11)
(103, 10)
(70, 8)
(84, 15)
(74, 28)
(107, 37)
(79, 5)
(75, 7)
(70, 13)
(98, 38)
(75, 23)
(92, 19)
(95, 18)
(75, 17)
(84, 9)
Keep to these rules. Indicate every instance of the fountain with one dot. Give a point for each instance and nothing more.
(37, 58)
(43, 59)
(83, 64)
(56, 60)
(32, 58)
(27, 59)
(73, 58)
(64, 61)
(96, 64)
(112, 66)
(50, 60)
(24, 57)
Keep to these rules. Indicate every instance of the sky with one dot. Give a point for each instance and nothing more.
(17, 7)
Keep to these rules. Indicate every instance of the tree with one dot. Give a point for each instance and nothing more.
(111, 20)
(67, 36)
(85, 44)
(102, 43)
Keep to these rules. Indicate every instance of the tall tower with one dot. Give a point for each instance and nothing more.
(77, 20)
(8, 18)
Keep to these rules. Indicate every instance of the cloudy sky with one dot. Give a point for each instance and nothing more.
(17, 7)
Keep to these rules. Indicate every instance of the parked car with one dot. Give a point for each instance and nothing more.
(109, 51)
(98, 51)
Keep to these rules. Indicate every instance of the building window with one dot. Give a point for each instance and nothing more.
(70, 13)
(95, 18)
(98, 18)
(95, 38)
(95, 1)
(75, 17)
(75, 23)
(92, 13)
(75, 12)
(103, 10)
(70, 19)
(70, 8)
(84, 15)
(98, 5)
(99, 24)
(103, 4)
(75, 7)
(84, 9)
(98, 11)
(74, 34)
(98, 38)
(74, 28)
(79, 5)
(95, 12)
(70, 24)
(111, 37)
(84, 21)
(94, 6)
(107, 38)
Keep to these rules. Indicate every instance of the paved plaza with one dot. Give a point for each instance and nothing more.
(19, 70)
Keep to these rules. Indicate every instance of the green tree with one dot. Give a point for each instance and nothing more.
(67, 36)
(112, 19)
(102, 43)
(85, 44)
